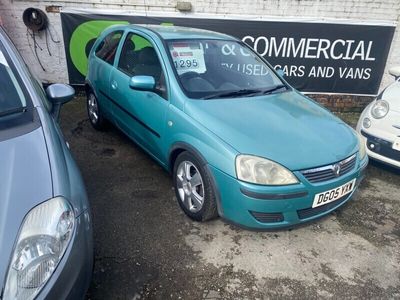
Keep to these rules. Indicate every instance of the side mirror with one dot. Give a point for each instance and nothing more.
(142, 83)
(58, 94)
(280, 72)
(395, 71)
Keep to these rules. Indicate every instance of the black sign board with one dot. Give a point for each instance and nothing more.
(316, 57)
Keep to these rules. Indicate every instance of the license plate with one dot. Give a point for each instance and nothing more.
(396, 144)
(334, 194)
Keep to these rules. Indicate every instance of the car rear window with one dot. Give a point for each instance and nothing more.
(108, 46)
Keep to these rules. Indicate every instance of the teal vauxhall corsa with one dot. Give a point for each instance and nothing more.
(240, 142)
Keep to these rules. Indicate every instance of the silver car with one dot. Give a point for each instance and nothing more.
(46, 244)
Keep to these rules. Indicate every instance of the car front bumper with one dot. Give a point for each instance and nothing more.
(266, 207)
(72, 276)
(381, 149)
(379, 136)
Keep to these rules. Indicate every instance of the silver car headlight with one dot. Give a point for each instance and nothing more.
(361, 146)
(42, 241)
(380, 109)
(260, 170)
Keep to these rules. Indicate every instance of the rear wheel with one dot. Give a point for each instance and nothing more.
(193, 188)
(94, 113)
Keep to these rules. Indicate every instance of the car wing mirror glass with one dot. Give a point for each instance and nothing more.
(142, 83)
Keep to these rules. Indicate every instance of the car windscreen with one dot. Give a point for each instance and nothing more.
(12, 97)
(213, 69)
(17, 114)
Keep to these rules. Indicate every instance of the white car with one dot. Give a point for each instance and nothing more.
(379, 124)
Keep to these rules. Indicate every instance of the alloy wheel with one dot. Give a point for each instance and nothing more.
(93, 109)
(190, 186)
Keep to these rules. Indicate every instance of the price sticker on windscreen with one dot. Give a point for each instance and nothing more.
(188, 57)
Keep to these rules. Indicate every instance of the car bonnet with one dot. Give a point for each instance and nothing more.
(25, 181)
(285, 127)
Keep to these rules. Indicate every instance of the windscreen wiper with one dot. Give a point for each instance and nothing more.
(12, 111)
(274, 88)
(241, 92)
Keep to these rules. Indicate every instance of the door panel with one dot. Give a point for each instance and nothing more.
(140, 114)
(102, 67)
(103, 71)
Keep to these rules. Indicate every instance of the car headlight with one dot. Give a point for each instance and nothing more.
(380, 109)
(259, 170)
(361, 146)
(42, 241)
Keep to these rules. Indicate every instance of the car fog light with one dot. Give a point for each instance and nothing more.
(367, 123)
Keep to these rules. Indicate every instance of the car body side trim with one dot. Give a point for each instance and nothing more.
(131, 115)
(280, 196)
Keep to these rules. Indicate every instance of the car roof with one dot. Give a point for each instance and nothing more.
(170, 32)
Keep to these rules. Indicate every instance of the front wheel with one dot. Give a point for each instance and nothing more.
(193, 188)
(94, 113)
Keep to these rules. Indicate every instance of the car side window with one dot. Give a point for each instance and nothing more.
(138, 57)
(108, 46)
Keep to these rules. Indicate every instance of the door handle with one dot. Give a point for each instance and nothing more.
(114, 85)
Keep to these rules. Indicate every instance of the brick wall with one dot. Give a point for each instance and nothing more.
(55, 64)
(343, 103)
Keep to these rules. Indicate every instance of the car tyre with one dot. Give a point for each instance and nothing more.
(194, 188)
(95, 115)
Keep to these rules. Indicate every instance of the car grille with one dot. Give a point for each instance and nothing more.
(311, 212)
(267, 217)
(381, 146)
(331, 171)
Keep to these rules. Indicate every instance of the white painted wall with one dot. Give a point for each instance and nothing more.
(55, 65)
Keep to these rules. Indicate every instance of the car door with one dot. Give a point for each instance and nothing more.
(140, 114)
(102, 65)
